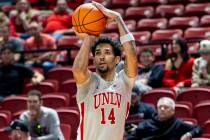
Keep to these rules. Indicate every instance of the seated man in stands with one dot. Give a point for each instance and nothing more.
(201, 67)
(165, 126)
(43, 122)
(59, 22)
(138, 110)
(40, 41)
(149, 74)
(6, 38)
(12, 75)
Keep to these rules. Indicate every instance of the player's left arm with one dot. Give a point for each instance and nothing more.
(128, 43)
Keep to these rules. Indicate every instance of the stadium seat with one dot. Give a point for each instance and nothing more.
(123, 3)
(14, 103)
(152, 24)
(66, 130)
(151, 2)
(200, 139)
(113, 35)
(194, 95)
(60, 73)
(4, 135)
(205, 20)
(197, 33)
(197, 9)
(55, 100)
(169, 10)
(139, 12)
(120, 10)
(7, 113)
(202, 112)
(142, 37)
(4, 120)
(183, 22)
(166, 34)
(112, 27)
(183, 111)
(44, 87)
(178, 1)
(69, 41)
(191, 121)
(70, 117)
(206, 128)
(153, 96)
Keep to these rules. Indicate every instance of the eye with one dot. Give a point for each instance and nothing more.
(97, 53)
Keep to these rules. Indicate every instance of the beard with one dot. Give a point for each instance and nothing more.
(103, 70)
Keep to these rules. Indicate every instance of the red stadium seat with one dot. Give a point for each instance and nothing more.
(197, 9)
(191, 121)
(44, 87)
(152, 24)
(66, 130)
(200, 139)
(201, 112)
(183, 22)
(142, 36)
(113, 35)
(154, 95)
(120, 10)
(166, 34)
(194, 95)
(112, 27)
(61, 74)
(70, 117)
(205, 20)
(14, 103)
(178, 1)
(4, 135)
(4, 120)
(206, 128)
(55, 100)
(151, 2)
(197, 33)
(123, 3)
(170, 10)
(69, 41)
(139, 12)
(183, 111)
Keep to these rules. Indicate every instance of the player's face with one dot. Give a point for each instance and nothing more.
(104, 59)
(165, 112)
(34, 105)
(146, 58)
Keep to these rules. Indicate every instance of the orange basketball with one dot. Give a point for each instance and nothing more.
(88, 19)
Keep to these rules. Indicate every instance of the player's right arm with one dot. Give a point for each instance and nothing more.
(80, 65)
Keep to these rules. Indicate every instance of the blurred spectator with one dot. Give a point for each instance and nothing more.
(40, 41)
(19, 130)
(201, 67)
(72, 4)
(138, 110)
(12, 75)
(6, 39)
(60, 21)
(149, 74)
(4, 21)
(23, 15)
(164, 125)
(43, 122)
(178, 68)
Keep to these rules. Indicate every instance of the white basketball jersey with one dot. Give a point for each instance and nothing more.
(104, 106)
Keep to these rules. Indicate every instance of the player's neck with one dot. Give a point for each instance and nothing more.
(108, 76)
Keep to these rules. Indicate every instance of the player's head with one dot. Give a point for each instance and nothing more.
(106, 54)
(34, 103)
(166, 108)
(7, 54)
(146, 57)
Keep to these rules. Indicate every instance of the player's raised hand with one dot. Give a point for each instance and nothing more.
(111, 15)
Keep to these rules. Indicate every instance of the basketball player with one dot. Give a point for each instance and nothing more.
(104, 96)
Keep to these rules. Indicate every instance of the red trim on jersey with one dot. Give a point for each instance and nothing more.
(127, 109)
(82, 105)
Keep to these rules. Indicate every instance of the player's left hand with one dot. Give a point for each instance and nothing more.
(111, 15)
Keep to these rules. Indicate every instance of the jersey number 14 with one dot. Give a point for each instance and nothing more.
(111, 116)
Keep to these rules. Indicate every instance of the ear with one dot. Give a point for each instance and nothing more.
(117, 59)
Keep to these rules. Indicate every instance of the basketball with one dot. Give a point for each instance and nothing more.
(88, 19)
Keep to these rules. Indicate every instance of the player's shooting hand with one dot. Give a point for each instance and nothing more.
(111, 15)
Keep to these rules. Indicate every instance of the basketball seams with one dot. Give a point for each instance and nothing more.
(78, 20)
(86, 16)
(90, 23)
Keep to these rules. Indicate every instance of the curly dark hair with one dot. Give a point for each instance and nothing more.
(108, 40)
